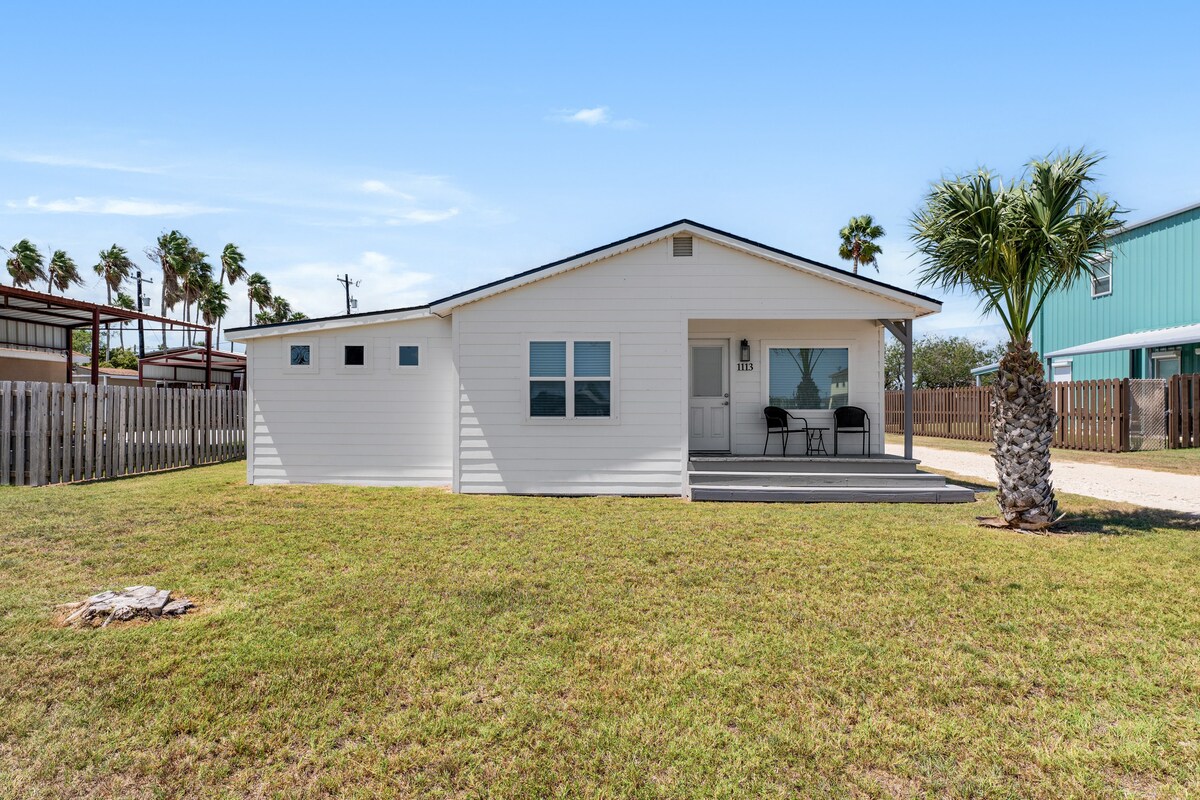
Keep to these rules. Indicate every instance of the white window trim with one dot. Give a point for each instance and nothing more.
(570, 419)
(1092, 278)
(365, 344)
(764, 351)
(1062, 362)
(1156, 356)
(394, 354)
(313, 357)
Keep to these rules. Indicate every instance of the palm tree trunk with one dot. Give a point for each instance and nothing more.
(1023, 428)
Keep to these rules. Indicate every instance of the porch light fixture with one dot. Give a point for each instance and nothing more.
(745, 351)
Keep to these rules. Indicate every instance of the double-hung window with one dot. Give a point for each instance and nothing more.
(1102, 277)
(570, 379)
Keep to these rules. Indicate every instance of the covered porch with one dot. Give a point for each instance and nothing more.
(809, 368)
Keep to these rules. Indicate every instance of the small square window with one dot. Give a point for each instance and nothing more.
(408, 355)
(356, 355)
(300, 355)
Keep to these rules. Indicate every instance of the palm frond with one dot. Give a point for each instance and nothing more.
(1014, 246)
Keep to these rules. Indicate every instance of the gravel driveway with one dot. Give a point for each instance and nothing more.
(1141, 487)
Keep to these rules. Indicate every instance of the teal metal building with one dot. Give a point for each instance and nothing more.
(1139, 315)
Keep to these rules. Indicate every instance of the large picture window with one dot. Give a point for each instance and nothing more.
(570, 379)
(809, 377)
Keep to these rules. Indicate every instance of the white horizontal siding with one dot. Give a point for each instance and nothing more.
(643, 300)
(374, 426)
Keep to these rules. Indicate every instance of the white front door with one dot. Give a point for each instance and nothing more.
(708, 395)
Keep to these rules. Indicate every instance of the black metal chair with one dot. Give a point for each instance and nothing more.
(779, 421)
(852, 419)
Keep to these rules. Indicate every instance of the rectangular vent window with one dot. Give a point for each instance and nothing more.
(681, 246)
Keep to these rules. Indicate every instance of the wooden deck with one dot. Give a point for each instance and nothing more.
(878, 478)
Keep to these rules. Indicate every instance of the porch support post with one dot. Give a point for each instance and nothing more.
(95, 347)
(70, 355)
(902, 329)
(908, 389)
(207, 358)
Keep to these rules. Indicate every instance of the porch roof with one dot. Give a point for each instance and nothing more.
(1159, 337)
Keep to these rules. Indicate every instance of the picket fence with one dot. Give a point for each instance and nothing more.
(62, 433)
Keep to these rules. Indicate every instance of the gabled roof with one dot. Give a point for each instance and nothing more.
(448, 303)
(922, 304)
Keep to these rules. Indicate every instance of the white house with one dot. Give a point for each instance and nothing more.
(604, 373)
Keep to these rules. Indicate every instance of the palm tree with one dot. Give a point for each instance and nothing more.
(169, 253)
(114, 268)
(259, 290)
(25, 264)
(233, 269)
(279, 310)
(1013, 246)
(858, 241)
(62, 272)
(213, 304)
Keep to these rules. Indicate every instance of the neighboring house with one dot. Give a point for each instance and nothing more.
(596, 374)
(18, 364)
(109, 376)
(1139, 316)
(38, 365)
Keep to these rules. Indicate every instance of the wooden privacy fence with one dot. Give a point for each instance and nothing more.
(1183, 411)
(60, 433)
(1092, 415)
(959, 413)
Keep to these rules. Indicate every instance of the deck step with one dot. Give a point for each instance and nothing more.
(895, 480)
(948, 493)
(843, 464)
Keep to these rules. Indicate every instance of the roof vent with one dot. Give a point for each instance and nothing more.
(681, 246)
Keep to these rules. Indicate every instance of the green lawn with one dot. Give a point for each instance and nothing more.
(373, 642)
(1186, 462)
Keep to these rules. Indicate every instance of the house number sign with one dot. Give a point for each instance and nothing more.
(745, 366)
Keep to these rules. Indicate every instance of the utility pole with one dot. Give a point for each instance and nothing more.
(140, 301)
(351, 302)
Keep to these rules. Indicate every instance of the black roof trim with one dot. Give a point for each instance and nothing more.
(660, 228)
(326, 319)
(691, 223)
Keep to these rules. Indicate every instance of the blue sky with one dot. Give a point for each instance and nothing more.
(429, 148)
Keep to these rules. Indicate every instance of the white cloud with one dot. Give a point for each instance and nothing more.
(383, 283)
(590, 116)
(111, 205)
(379, 187)
(420, 216)
(68, 161)
(598, 116)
